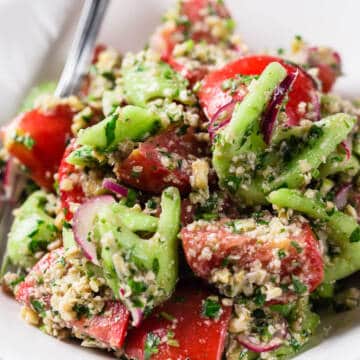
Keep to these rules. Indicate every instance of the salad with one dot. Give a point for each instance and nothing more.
(195, 200)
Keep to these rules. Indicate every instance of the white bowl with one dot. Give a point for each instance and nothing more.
(35, 50)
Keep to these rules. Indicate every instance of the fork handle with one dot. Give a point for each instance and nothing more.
(81, 50)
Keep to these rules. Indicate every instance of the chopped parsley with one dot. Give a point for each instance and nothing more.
(281, 254)
(355, 235)
(110, 130)
(294, 344)
(151, 204)
(25, 140)
(38, 306)
(151, 345)
(17, 281)
(297, 247)
(167, 316)
(137, 287)
(81, 311)
(211, 308)
(299, 287)
(37, 245)
(259, 297)
(131, 198)
(171, 341)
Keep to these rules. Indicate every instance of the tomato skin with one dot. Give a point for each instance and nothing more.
(199, 338)
(166, 37)
(192, 75)
(74, 195)
(50, 132)
(213, 97)
(25, 290)
(307, 265)
(328, 63)
(327, 77)
(109, 328)
(155, 176)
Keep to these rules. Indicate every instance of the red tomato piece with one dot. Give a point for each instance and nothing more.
(192, 75)
(26, 289)
(303, 260)
(108, 328)
(194, 12)
(328, 63)
(38, 140)
(213, 97)
(198, 337)
(98, 50)
(161, 161)
(75, 194)
(327, 76)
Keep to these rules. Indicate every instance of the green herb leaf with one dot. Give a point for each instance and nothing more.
(355, 235)
(37, 305)
(297, 247)
(259, 297)
(281, 254)
(81, 311)
(137, 287)
(299, 287)
(151, 345)
(110, 130)
(211, 308)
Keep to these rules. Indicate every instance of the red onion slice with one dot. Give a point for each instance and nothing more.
(276, 342)
(261, 347)
(112, 185)
(272, 111)
(342, 195)
(317, 106)
(83, 222)
(346, 147)
(137, 316)
(226, 111)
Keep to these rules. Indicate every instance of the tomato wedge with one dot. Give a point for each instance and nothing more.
(213, 96)
(74, 194)
(38, 140)
(190, 25)
(301, 255)
(328, 63)
(109, 327)
(161, 161)
(178, 330)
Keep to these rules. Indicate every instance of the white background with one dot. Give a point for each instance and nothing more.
(34, 35)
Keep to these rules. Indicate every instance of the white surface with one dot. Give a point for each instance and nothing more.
(30, 49)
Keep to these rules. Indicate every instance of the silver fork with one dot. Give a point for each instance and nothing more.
(76, 67)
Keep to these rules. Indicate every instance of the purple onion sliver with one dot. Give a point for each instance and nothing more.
(273, 108)
(214, 126)
(83, 222)
(137, 316)
(317, 106)
(112, 185)
(346, 147)
(259, 348)
(342, 195)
